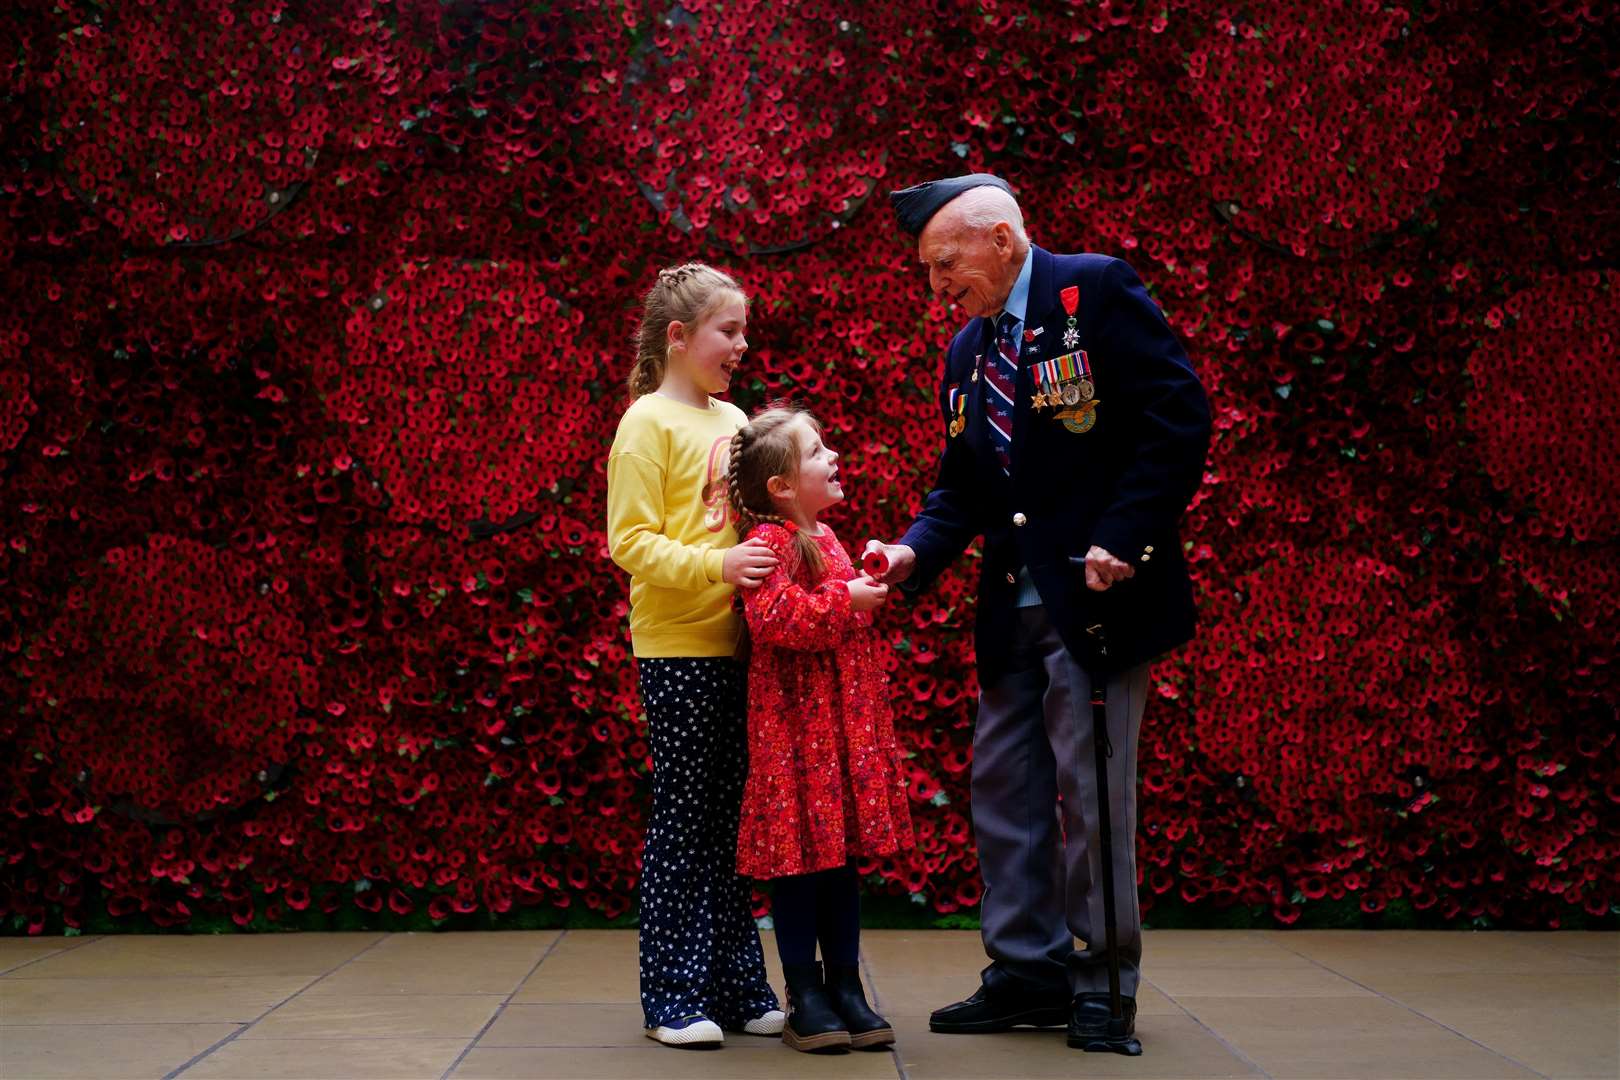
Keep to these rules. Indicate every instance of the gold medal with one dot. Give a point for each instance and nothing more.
(956, 427)
(1038, 401)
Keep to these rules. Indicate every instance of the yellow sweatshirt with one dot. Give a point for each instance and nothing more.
(669, 524)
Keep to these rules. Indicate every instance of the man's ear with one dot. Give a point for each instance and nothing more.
(1001, 235)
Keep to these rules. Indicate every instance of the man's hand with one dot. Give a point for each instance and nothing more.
(902, 560)
(748, 563)
(866, 594)
(1103, 570)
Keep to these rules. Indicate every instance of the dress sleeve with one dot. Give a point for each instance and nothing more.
(790, 616)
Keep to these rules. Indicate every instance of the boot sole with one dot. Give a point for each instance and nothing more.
(1129, 1045)
(876, 1039)
(1040, 1018)
(828, 1042)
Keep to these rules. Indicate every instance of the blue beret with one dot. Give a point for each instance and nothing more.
(916, 204)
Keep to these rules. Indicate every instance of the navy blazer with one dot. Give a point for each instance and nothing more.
(1123, 484)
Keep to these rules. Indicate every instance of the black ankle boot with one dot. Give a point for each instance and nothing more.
(813, 1025)
(867, 1030)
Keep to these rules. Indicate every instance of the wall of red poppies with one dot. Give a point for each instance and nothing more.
(315, 326)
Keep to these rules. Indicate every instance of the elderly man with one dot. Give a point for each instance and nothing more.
(1075, 434)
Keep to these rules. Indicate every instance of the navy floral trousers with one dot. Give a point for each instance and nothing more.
(700, 951)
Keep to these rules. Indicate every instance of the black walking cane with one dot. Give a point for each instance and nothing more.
(1116, 1041)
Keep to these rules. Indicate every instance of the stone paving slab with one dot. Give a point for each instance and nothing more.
(1288, 1005)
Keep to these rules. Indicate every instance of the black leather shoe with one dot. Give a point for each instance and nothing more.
(988, 1010)
(867, 1030)
(813, 1025)
(1089, 1021)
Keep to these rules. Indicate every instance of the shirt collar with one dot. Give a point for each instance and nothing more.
(1018, 299)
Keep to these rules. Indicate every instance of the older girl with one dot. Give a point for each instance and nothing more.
(668, 526)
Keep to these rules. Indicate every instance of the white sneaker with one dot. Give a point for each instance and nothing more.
(690, 1033)
(766, 1023)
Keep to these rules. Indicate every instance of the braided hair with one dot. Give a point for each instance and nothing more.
(686, 294)
(763, 448)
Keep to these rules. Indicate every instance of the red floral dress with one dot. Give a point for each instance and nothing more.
(824, 781)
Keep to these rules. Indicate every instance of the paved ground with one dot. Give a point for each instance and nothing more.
(1303, 1004)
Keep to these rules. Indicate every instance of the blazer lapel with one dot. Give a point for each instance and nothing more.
(987, 341)
(1036, 310)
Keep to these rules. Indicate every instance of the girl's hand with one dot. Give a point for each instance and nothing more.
(748, 563)
(866, 594)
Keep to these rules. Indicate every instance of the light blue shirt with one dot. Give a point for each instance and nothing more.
(1018, 299)
(1018, 306)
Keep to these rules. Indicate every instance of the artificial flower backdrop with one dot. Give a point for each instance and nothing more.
(315, 328)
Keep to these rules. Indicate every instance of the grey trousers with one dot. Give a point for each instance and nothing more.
(1041, 862)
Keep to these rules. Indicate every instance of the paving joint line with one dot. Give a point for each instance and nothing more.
(1399, 1004)
(1231, 1048)
(894, 1048)
(51, 956)
(233, 1036)
(501, 1008)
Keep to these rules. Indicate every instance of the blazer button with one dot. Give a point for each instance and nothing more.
(1011, 580)
(1146, 557)
(1019, 519)
(1148, 549)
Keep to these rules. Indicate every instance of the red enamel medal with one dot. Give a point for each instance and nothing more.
(1071, 303)
(1071, 299)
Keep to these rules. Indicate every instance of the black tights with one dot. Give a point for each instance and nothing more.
(824, 905)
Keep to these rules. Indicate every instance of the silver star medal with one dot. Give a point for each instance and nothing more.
(1071, 337)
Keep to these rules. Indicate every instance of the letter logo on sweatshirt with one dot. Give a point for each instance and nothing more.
(716, 498)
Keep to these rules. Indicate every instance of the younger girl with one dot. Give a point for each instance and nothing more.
(669, 526)
(824, 784)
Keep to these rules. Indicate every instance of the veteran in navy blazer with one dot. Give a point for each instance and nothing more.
(1075, 434)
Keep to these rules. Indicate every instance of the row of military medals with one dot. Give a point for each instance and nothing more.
(1064, 383)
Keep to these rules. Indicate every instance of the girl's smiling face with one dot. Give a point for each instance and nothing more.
(817, 486)
(709, 351)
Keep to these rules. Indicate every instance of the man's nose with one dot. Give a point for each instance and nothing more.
(936, 280)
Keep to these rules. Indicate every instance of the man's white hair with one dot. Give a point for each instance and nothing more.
(983, 207)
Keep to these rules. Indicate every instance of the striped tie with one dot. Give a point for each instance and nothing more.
(1002, 375)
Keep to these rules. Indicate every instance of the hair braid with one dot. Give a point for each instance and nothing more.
(734, 483)
(763, 448)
